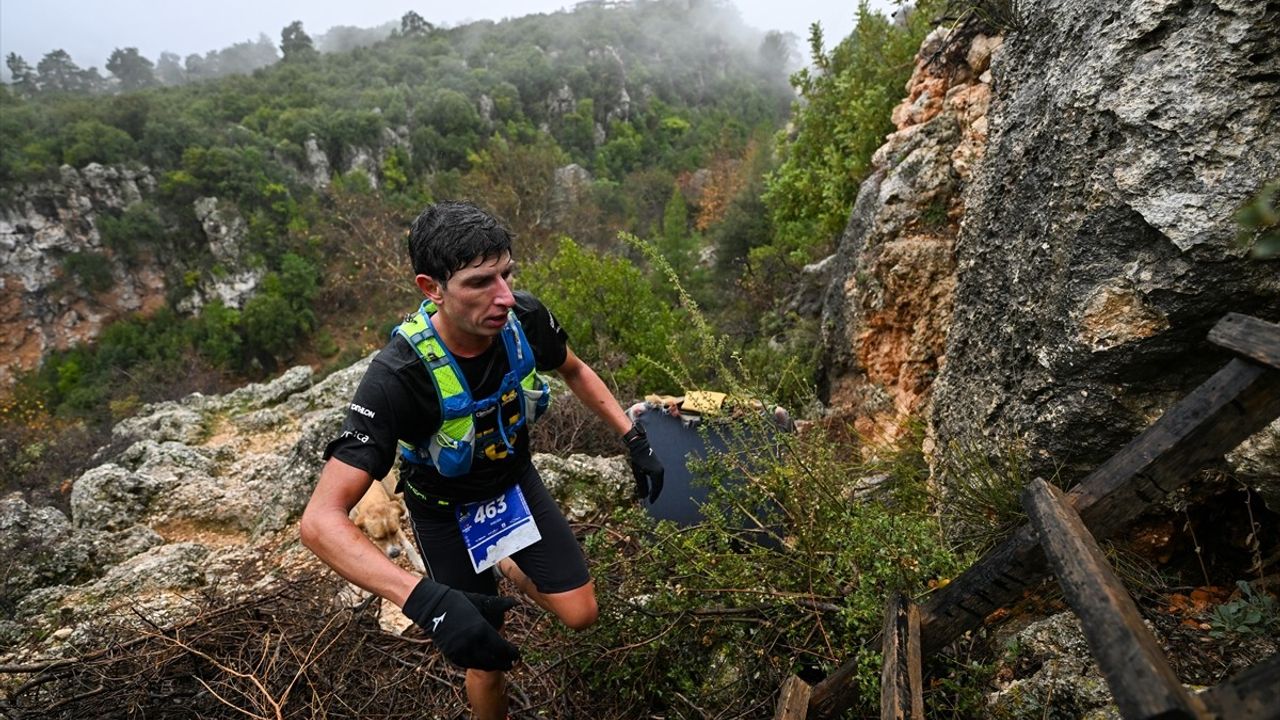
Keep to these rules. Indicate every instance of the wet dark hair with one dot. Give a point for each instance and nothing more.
(449, 236)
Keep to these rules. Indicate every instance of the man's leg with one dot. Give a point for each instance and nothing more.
(487, 693)
(447, 562)
(552, 571)
(575, 608)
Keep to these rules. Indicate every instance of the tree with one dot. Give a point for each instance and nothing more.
(24, 78)
(169, 69)
(56, 72)
(295, 43)
(412, 25)
(132, 69)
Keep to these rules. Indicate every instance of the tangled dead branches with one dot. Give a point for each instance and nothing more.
(289, 654)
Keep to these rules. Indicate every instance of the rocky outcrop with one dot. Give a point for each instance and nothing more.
(1053, 674)
(570, 185)
(42, 228)
(889, 301)
(235, 281)
(206, 495)
(317, 164)
(1097, 243)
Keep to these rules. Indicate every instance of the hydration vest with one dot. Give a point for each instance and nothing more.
(452, 447)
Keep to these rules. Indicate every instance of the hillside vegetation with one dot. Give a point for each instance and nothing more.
(671, 109)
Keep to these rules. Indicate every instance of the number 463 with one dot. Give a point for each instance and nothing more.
(490, 510)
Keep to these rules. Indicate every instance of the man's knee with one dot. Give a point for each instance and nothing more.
(490, 680)
(582, 614)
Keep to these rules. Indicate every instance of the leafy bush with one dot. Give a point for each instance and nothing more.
(1253, 613)
(615, 321)
(788, 573)
(127, 234)
(1259, 221)
(91, 270)
(90, 141)
(848, 97)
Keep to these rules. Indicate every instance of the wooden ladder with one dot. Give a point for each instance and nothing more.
(1238, 401)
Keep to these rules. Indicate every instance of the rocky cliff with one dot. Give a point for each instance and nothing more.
(50, 239)
(889, 302)
(1095, 244)
(43, 306)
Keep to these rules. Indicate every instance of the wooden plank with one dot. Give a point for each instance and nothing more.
(793, 703)
(1239, 400)
(901, 691)
(1252, 694)
(1141, 681)
(835, 693)
(1250, 337)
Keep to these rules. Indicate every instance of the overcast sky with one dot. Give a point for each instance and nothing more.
(90, 29)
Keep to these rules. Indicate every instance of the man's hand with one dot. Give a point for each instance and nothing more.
(644, 464)
(463, 625)
(492, 607)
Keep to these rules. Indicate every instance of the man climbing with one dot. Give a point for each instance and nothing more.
(453, 394)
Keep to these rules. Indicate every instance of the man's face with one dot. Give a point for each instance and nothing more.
(476, 298)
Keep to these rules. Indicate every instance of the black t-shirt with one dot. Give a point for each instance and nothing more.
(397, 400)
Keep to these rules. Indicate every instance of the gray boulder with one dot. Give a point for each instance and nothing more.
(1097, 246)
(109, 497)
(38, 547)
(1065, 683)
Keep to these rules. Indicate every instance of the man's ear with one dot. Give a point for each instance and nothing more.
(432, 288)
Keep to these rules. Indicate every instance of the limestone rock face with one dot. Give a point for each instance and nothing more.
(888, 304)
(571, 183)
(317, 175)
(206, 494)
(1066, 682)
(41, 226)
(37, 548)
(1096, 248)
(584, 485)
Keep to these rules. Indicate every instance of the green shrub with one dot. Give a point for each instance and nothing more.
(1253, 613)
(848, 97)
(789, 573)
(270, 324)
(135, 229)
(216, 335)
(91, 270)
(615, 321)
(90, 141)
(1259, 222)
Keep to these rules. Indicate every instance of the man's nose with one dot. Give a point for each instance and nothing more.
(504, 298)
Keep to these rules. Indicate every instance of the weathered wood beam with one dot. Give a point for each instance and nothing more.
(1252, 694)
(1250, 337)
(1239, 400)
(835, 693)
(1141, 681)
(901, 688)
(793, 703)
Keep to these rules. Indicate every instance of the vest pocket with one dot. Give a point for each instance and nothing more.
(536, 400)
(452, 457)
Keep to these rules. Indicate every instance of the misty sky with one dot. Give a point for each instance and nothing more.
(90, 29)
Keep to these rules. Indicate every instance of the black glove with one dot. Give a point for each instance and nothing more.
(644, 464)
(463, 625)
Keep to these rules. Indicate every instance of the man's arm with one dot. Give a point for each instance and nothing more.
(593, 393)
(587, 386)
(328, 532)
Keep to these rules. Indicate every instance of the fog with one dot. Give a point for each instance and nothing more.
(90, 29)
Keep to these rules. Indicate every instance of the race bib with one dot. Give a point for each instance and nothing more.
(497, 528)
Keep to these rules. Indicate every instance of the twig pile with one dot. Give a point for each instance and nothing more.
(289, 654)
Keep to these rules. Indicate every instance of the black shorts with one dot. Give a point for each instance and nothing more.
(554, 563)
